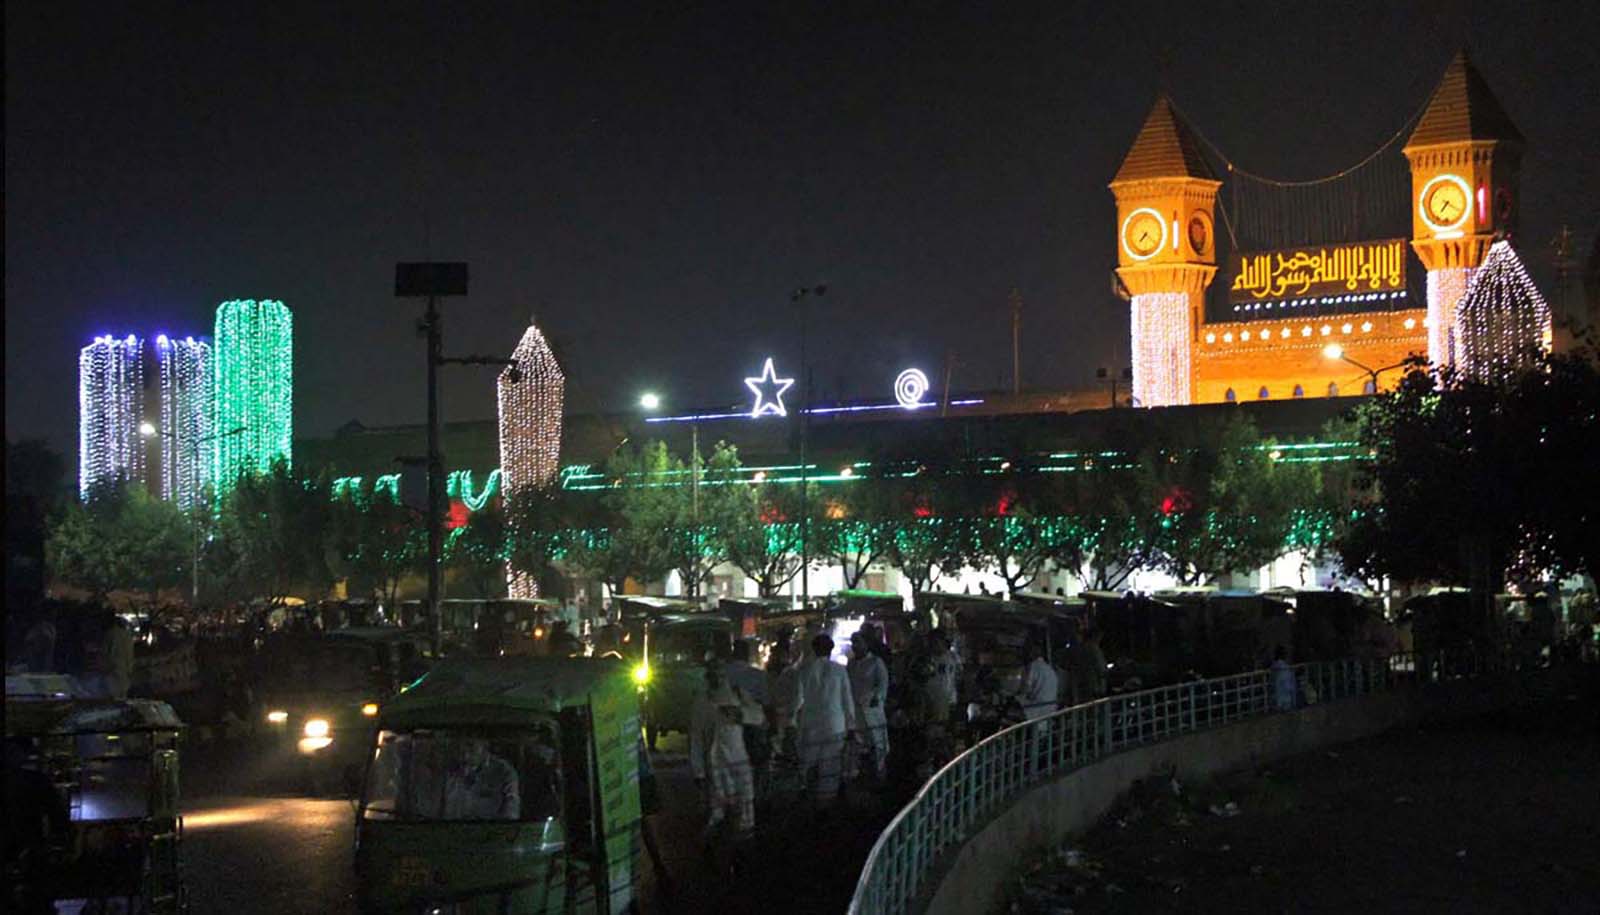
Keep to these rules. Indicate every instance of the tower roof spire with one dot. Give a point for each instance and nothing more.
(1165, 148)
(1463, 108)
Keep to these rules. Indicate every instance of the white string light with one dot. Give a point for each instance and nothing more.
(531, 409)
(110, 409)
(1446, 286)
(1161, 358)
(184, 367)
(1503, 322)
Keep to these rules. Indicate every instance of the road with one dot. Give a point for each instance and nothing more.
(247, 851)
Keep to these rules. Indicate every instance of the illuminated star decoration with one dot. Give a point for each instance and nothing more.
(768, 388)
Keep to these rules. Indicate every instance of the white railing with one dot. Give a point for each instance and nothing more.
(976, 784)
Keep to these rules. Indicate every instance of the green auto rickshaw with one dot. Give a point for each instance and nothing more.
(504, 785)
(669, 652)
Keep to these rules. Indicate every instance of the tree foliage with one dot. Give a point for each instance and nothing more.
(375, 541)
(120, 538)
(275, 532)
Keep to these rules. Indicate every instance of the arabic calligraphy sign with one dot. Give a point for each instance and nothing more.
(1300, 273)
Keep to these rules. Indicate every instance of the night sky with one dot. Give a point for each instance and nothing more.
(653, 183)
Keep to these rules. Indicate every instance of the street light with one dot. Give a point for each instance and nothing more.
(798, 300)
(148, 429)
(650, 402)
(1336, 352)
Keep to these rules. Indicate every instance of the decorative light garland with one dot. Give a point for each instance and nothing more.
(253, 356)
(1503, 322)
(187, 396)
(532, 397)
(1161, 360)
(1446, 286)
(459, 486)
(110, 408)
(910, 387)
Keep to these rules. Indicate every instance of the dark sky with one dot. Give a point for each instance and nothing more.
(653, 182)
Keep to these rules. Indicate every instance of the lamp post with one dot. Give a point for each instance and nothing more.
(650, 402)
(148, 430)
(798, 301)
(1336, 352)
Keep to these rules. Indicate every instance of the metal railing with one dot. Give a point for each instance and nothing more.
(971, 788)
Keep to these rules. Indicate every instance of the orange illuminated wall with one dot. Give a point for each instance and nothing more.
(1279, 354)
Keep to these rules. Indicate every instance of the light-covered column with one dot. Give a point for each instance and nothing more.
(1162, 358)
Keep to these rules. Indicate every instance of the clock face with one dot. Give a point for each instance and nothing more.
(1446, 202)
(1199, 234)
(1143, 233)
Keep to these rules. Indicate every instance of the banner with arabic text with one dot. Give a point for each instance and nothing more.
(1340, 271)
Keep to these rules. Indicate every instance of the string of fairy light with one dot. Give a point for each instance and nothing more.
(531, 393)
(1161, 346)
(110, 408)
(1503, 323)
(184, 368)
(254, 383)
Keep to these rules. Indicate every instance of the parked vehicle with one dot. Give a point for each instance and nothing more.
(92, 801)
(669, 652)
(504, 785)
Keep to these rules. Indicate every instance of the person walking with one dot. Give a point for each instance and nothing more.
(826, 716)
(1039, 684)
(718, 759)
(869, 684)
(1088, 674)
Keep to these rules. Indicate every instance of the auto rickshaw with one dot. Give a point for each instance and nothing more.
(669, 652)
(92, 788)
(318, 698)
(504, 785)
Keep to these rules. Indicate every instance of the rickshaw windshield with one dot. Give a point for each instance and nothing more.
(466, 775)
(996, 648)
(325, 665)
(688, 645)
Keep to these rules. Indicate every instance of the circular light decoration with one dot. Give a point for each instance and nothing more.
(910, 387)
(768, 388)
(1446, 197)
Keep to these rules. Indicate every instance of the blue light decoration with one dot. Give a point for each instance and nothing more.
(110, 409)
(769, 390)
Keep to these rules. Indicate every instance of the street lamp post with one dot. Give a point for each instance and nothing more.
(1335, 351)
(798, 300)
(147, 430)
(650, 402)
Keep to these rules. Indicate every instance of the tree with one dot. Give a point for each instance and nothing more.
(922, 496)
(612, 542)
(275, 528)
(376, 541)
(1109, 533)
(762, 531)
(1472, 477)
(477, 551)
(1225, 499)
(1008, 519)
(35, 494)
(854, 528)
(120, 538)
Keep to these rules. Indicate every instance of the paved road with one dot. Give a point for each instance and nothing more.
(248, 852)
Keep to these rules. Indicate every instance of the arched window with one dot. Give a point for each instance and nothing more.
(1230, 397)
(1299, 391)
(1333, 389)
(1263, 394)
(1369, 387)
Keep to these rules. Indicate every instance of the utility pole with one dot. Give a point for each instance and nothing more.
(433, 281)
(797, 299)
(1016, 341)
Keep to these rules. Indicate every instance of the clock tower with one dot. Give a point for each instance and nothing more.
(1464, 156)
(1166, 252)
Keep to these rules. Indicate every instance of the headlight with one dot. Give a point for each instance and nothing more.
(370, 709)
(641, 674)
(538, 633)
(277, 716)
(317, 727)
